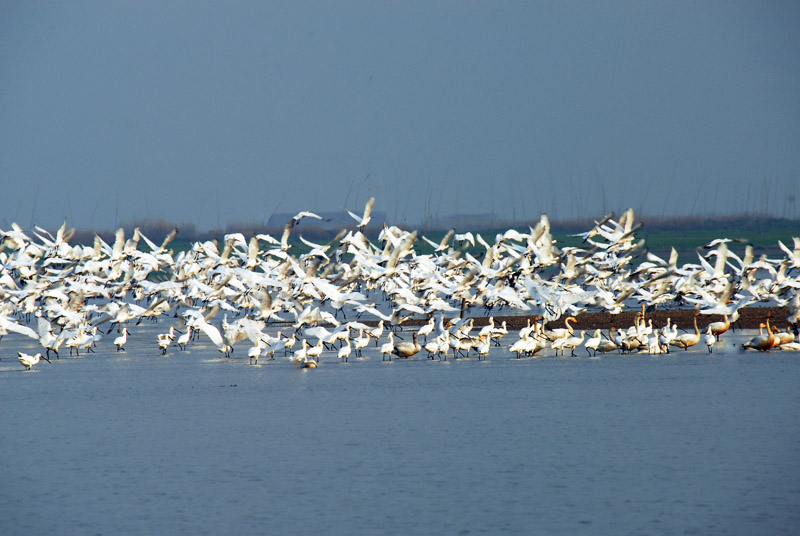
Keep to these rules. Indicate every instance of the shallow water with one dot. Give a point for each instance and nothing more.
(193, 443)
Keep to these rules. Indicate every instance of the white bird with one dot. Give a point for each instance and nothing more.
(165, 339)
(120, 341)
(667, 335)
(184, 339)
(289, 343)
(271, 344)
(376, 332)
(314, 352)
(438, 346)
(465, 237)
(709, 339)
(294, 221)
(593, 342)
(570, 342)
(318, 332)
(49, 340)
(388, 347)
(92, 339)
(344, 351)
(6, 324)
(483, 346)
(302, 352)
(499, 333)
(426, 329)
(654, 345)
(82, 339)
(28, 360)
(305, 214)
(461, 344)
(196, 319)
(365, 218)
(488, 328)
(443, 244)
(607, 345)
(360, 342)
(521, 345)
(302, 357)
(255, 352)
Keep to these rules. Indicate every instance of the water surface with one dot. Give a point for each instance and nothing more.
(193, 443)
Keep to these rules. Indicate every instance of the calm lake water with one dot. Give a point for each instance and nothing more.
(192, 443)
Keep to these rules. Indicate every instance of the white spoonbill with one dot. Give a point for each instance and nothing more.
(256, 350)
(426, 329)
(315, 352)
(184, 339)
(344, 351)
(593, 342)
(28, 360)
(520, 346)
(360, 342)
(301, 356)
(165, 339)
(120, 341)
(607, 345)
(570, 342)
(483, 346)
(377, 332)
(388, 347)
(709, 338)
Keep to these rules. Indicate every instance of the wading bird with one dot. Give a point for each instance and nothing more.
(28, 360)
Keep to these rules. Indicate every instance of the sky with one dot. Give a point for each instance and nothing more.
(219, 113)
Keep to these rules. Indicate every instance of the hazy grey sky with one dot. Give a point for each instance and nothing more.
(223, 112)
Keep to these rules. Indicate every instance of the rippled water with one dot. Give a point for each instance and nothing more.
(193, 443)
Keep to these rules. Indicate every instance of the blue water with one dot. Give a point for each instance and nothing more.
(192, 443)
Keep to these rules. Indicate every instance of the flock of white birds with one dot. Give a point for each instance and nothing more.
(229, 292)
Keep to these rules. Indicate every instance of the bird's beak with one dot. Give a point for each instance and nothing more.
(46, 358)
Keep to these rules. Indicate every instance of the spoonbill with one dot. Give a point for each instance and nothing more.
(120, 341)
(28, 360)
(710, 338)
(387, 348)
